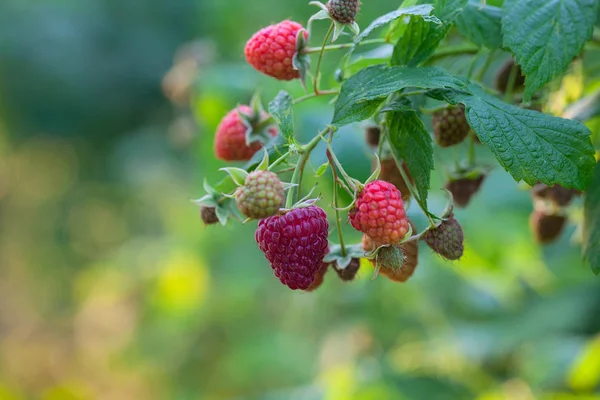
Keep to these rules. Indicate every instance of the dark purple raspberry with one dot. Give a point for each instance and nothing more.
(295, 244)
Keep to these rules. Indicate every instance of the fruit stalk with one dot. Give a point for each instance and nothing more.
(297, 176)
(338, 219)
(312, 50)
(316, 79)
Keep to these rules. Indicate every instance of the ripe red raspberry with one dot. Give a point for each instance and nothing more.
(447, 239)
(379, 212)
(546, 227)
(295, 244)
(450, 126)
(271, 50)
(230, 139)
(261, 196)
(343, 11)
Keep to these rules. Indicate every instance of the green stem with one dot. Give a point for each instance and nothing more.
(316, 80)
(349, 180)
(311, 95)
(510, 87)
(338, 219)
(280, 160)
(413, 93)
(431, 111)
(472, 154)
(485, 67)
(297, 176)
(453, 51)
(415, 194)
(312, 50)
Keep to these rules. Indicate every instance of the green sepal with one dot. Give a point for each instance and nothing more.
(225, 207)
(257, 123)
(237, 174)
(377, 171)
(342, 261)
(321, 170)
(264, 164)
(301, 61)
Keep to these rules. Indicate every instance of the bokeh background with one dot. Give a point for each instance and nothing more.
(112, 288)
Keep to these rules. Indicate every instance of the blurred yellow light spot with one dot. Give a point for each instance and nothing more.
(339, 382)
(570, 396)
(491, 396)
(571, 89)
(66, 392)
(585, 371)
(366, 269)
(183, 284)
(8, 394)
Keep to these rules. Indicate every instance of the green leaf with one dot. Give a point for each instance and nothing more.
(275, 149)
(364, 92)
(419, 39)
(448, 10)
(281, 109)
(591, 226)
(482, 26)
(410, 142)
(418, 42)
(530, 145)
(423, 11)
(546, 35)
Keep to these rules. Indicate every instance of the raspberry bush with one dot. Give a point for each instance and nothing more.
(392, 78)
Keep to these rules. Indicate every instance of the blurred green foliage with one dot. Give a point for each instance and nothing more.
(111, 288)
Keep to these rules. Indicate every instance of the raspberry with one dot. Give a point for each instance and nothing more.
(230, 139)
(208, 215)
(393, 270)
(463, 189)
(447, 239)
(261, 196)
(295, 244)
(271, 50)
(348, 273)
(410, 253)
(343, 11)
(450, 126)
(556, 194)
(545, 226)
(379, 212)
(391, 173)
(372, 135)
(319, 278)
(503, 77)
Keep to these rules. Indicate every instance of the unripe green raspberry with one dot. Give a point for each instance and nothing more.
(261, 196)
(343, 11)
